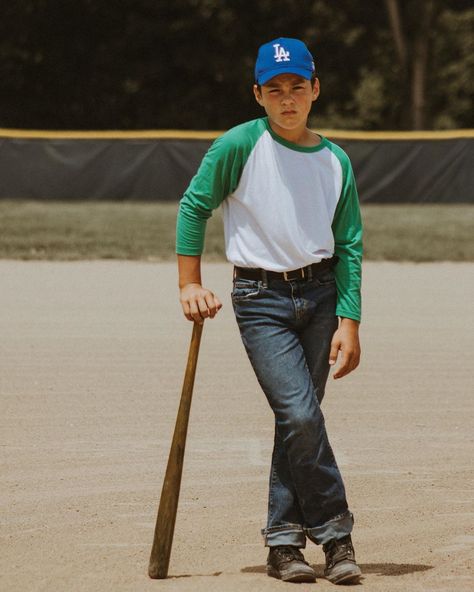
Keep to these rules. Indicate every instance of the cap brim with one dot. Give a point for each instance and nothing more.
(265, 77)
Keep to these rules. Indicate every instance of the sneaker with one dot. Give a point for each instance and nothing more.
(341, 566)
(287, 563)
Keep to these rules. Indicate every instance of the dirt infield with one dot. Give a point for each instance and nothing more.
(92, 359)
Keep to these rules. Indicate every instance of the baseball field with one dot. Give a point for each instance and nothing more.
(71, 231)
(92, 361)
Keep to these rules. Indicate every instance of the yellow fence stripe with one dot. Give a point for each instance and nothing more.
(109, 134)
(212, 135)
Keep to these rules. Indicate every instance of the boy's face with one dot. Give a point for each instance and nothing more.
(287, 100)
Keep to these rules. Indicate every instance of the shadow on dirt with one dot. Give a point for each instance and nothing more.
(216, 573)
(380, 569)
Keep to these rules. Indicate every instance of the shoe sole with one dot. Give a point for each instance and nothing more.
(301, 576)
(350, 576)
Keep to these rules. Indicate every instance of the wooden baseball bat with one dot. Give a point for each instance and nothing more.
(165, 521)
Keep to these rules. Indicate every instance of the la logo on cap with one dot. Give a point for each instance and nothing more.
(280, 54)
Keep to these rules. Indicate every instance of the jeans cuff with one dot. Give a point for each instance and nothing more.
(286, 534)
(336, 528)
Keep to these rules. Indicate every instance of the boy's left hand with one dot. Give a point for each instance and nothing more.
(346, 341)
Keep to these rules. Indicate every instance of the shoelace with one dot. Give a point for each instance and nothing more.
(338, 550)
(289, 553)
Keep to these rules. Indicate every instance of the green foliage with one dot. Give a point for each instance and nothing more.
(369, 99)
(188, 64)
(453, 82)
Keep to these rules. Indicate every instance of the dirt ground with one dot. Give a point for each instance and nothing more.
(92, 360)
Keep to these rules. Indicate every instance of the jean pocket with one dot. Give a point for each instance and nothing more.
(326, 278)
(245, 289)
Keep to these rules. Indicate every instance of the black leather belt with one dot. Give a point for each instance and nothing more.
(303, 273)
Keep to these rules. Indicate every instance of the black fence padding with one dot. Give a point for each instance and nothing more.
(418, 171)
(387, 171)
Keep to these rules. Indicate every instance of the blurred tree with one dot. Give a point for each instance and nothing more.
(412, 53)
(453, 79)
(189, 63)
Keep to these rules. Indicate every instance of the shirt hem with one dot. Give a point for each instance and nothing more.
(188, 252)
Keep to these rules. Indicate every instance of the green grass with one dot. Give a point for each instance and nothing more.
(421, 232)
(145, 231)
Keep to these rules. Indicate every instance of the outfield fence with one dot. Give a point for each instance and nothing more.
(390, 167)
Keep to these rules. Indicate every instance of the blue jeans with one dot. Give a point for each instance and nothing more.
(286, 328)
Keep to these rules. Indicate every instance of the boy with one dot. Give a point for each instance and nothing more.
(293, 232)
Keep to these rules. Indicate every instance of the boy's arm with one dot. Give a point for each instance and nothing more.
(347, 230)
(216, 178)
(197, 302)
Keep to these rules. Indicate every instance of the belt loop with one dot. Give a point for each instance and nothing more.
(310, 273)
(264, 278)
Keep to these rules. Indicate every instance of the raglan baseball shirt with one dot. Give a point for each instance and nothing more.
(285, 206)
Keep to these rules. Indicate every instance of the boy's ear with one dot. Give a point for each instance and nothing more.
(258, 94)
(316, 89)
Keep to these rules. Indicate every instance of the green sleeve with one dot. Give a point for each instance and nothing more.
(347, 230)
(217, 177)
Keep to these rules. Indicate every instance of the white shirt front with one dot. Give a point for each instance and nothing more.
(279, 216)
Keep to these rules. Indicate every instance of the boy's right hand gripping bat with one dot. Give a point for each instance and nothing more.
(165, 521)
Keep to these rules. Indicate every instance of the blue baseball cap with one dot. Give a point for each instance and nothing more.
(283, 56)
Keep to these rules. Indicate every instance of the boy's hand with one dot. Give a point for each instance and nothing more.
(198, 303)
(346, 340)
